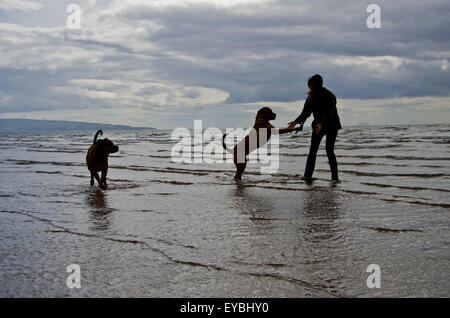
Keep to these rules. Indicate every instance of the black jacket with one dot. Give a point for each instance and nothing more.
(322, 104)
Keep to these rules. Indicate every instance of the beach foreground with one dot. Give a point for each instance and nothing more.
(166, 229)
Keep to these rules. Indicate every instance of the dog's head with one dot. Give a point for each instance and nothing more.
(108, 146)
(266, 114)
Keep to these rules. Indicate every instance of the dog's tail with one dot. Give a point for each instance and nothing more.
(224, 145)
(96, 135)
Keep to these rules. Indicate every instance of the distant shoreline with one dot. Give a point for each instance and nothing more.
(12, 125)
(31, 125)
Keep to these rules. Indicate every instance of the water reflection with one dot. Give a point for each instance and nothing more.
(249, 203)
(99, 213)
(323, 244)
(307, 237)
(321, 211)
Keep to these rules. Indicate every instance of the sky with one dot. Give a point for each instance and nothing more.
(166, 63)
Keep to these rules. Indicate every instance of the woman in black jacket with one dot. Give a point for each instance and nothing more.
(322, 104)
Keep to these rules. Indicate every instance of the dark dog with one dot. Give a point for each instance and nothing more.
(97, 159)
(245, 146)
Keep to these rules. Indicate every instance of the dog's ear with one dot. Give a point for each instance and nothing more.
(259, 113)
(105, 142)
(100, 147)
(108, 146)
(263, 113)
(266, 114)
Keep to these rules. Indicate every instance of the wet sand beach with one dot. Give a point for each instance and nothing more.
(166, 229)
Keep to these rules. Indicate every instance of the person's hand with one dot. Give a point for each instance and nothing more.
(292, 124)
(318, 128)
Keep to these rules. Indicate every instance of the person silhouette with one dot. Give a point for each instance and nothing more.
(322, 104)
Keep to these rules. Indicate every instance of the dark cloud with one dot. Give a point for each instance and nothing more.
(139, 56)
(309, 41)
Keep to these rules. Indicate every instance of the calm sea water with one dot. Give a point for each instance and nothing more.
(168, 229)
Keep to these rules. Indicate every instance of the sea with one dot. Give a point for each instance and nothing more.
(171, 228)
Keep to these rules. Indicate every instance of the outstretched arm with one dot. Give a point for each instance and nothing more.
(286, 130)
(306, 112)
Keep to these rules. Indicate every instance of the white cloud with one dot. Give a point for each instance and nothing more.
(444, 65)
(22, 5)
(378, 64)
(147, 94)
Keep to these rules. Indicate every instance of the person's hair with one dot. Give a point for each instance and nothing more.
(317, 81)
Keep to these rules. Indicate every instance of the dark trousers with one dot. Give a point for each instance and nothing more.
(329, 146)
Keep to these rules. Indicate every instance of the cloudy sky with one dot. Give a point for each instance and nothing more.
(164, 63)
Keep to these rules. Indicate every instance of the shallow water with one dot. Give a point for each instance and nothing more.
(166, 229)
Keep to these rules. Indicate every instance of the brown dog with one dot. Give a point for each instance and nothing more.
(245, 146)
(97, 159)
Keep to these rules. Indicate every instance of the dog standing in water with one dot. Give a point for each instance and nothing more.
(97, 159)
(245, 146)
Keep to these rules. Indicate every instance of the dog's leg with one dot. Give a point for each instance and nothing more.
(240, 168)
(103, 179)
(92, 178)
(239, 157)
(97, 177)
